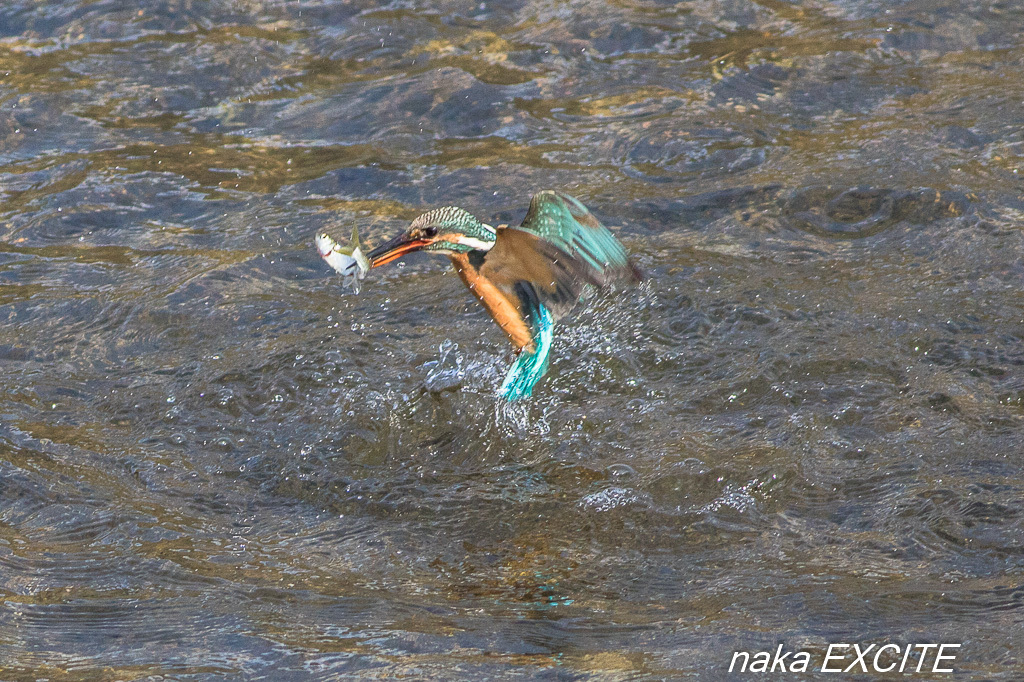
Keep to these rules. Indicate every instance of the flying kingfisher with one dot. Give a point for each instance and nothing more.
(527, 277)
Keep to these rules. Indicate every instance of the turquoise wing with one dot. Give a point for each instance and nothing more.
(567, 249)
(566, 224)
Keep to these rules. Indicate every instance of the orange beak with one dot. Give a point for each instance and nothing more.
(395, 249)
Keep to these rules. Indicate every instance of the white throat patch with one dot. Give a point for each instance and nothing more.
(474, 243)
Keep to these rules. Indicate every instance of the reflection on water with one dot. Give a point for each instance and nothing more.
(805, 428)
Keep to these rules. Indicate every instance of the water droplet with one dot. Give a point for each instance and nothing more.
(620, 472)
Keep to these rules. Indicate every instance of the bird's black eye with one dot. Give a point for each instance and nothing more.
(430, 231)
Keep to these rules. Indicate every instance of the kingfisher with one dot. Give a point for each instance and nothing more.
(527, 277)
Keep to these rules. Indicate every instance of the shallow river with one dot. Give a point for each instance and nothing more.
(805, 428)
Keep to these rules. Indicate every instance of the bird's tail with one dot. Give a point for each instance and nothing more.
(529, 367)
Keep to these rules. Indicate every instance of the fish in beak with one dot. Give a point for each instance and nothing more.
(348, 261)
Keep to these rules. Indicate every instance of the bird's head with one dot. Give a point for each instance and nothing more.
(447, 230)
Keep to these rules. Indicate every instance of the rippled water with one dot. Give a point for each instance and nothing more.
(805, 428)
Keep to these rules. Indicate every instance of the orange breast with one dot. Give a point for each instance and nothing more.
(504, 311)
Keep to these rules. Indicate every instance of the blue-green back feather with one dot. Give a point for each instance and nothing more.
(528, 368)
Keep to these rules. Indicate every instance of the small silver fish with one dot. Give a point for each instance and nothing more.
(349, 261)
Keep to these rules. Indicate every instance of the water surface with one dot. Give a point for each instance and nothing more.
(807, 427)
